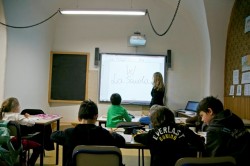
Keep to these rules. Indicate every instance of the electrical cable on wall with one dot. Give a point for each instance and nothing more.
(147, 12)
(169, 24)
(32, 25)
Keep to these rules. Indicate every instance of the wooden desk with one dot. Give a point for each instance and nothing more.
(44, 120)
(183, 114)
(102, 120)
(131, 144)
(246, 123)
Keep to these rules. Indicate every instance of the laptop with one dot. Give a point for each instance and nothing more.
(190, 108)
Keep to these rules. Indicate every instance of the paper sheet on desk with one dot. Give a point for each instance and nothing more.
(180, 120)
(45, 116)
(127, 137)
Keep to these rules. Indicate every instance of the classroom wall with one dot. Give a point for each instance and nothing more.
(218, 17)
(196, 38)
(237, 47)
(3, 40)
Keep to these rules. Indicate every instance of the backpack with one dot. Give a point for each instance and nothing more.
(8, 153)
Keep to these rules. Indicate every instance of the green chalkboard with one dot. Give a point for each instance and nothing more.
(68, 77)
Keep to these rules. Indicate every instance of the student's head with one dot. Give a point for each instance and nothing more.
(9, 105)
(208, 108)
(115, 99)
(153, 108)
(88, 110)
(161, 115)
(158, 80)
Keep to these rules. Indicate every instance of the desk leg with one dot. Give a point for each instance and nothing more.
(142, 155)
(139, 157)
(57, 145)
(42, 152)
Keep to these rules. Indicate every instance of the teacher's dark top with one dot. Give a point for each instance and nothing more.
(157, 96)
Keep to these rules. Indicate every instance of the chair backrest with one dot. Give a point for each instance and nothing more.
(32, 111)
(92, 155)
(206, 161)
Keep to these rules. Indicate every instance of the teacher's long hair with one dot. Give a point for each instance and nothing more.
(158, 81)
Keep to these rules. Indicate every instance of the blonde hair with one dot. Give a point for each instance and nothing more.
(158, 81)
(153, 108)
(8, 105)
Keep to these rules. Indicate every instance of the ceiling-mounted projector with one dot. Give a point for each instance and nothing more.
(137, 39)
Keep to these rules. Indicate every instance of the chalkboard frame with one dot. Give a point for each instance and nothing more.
(82, 59)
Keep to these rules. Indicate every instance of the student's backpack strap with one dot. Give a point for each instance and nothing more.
(4, 132)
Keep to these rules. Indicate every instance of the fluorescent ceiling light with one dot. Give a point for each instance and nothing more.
(105, 12)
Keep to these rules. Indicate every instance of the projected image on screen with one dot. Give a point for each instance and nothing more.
(130, 75)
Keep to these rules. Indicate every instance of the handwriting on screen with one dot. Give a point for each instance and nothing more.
(130, 76)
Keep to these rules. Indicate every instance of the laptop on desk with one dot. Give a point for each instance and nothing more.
(190, 109)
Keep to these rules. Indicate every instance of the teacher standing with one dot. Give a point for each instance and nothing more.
(158, 90)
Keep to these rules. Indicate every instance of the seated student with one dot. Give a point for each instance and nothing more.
(116, 113)
(10, 111)
(85, 133)
(167, 140)
(145, 120)
(226, 134)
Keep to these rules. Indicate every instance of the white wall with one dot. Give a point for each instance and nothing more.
(190, 78)
(218, 35)
(3, 41)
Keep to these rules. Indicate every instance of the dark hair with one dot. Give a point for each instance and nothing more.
(161, 116)
(88, 109)
(115, 99)
(210, 102)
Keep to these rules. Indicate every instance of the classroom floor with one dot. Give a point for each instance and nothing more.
(130, 157)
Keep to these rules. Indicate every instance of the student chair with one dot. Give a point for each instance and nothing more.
(206, 161)
(92, 155)
(21, 141)
(32, 111)
(10, 151)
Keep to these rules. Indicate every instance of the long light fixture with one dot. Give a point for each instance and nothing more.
(105, 12)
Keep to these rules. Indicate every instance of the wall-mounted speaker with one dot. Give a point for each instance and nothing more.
(97, 56)
(169, 63)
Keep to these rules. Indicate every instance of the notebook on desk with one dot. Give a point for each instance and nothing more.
(190, 108)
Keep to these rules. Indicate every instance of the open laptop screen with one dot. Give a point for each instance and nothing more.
(192, 106)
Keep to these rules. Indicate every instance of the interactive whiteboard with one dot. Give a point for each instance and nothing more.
(130, 75)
